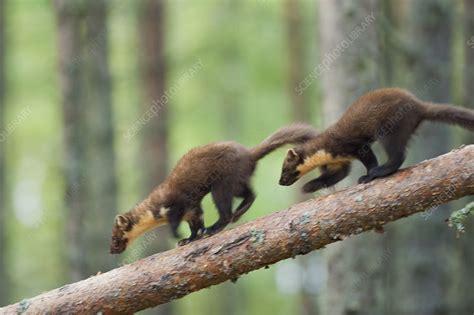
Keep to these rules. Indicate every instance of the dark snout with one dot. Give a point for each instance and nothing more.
(118, 247)
(286, 181)
(114, 250)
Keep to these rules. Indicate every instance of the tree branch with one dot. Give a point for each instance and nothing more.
(298, 230)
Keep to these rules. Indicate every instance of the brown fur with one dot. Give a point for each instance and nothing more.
(224, 169)
(389, 115)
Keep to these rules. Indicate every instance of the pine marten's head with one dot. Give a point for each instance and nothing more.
(290, 172)
(119, 240)
(299, 162)
(131, 225)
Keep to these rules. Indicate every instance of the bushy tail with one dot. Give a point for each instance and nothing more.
(450, 114)
(293, 134)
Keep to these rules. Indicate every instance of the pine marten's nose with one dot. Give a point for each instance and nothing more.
(115, 250)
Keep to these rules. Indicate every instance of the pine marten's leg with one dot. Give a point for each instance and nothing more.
(368, 158)
(249, 198)
(175, 217)
(222, 196)
(395, 146)
(330, 177)
(196, 225)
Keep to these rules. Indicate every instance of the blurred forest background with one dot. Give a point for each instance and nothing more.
(98, 100)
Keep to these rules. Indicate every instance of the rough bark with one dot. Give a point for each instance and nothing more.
(298, 230)
(3, 244)
(69, 44)
(356, 70)
(155, 132)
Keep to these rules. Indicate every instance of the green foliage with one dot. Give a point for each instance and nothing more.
(458, 217)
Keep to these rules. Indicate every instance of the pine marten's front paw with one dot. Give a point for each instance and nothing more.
(311, 187)
(365, 179)
(306, 189)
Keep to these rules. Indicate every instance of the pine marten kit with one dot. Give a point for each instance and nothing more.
(224, 169)
(389, 116)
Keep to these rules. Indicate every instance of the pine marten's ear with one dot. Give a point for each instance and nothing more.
(291, 155)
(122, 221)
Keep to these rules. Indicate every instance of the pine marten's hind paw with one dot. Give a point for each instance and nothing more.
(212, 230)
(183, 242)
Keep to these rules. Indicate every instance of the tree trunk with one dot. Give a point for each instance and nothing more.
(155, 146)
(227, 300)
(385, 46)
(465, 251)
(302, 228)
(101, 176)
(4, 279)
(155, 132)
(296, 67)
(421, 271)
(69, 44)
(351, 68)
(469, 60)
(300, 112)
(89, 160)
(350, 53)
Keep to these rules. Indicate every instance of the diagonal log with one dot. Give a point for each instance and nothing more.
(298, 230)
